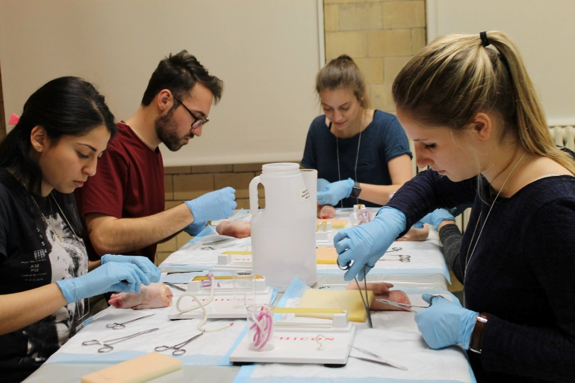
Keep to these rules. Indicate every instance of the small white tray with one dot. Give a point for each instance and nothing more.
(225, 303)
(300, 345)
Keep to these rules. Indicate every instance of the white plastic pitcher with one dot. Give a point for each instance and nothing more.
(283, 234)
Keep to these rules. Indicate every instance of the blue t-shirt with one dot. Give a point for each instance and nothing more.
(381, 141)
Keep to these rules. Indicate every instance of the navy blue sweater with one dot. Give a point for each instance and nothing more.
(521, 271)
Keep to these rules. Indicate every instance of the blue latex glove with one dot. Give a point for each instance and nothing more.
(335, 192)
(445, 323)
(366, 243)
(322, 183)
(214, 205)
(436, 217)
(116, 277)
(418, 224)
(195, 227)
(143, 263)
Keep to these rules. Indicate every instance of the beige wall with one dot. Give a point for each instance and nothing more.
(266, 53)
(381, 36)
(543, 32)
(183, 183)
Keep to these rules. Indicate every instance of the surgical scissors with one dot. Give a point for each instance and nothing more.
(178, 348)
(118, 326)
(106, 344)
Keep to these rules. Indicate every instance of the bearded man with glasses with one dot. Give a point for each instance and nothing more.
(123, 205)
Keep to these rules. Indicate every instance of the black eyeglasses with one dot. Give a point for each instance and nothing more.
(197, 121)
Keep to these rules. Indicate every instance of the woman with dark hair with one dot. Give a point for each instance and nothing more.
(53, 149)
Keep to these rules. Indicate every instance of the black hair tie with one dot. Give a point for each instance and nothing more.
(484, 40)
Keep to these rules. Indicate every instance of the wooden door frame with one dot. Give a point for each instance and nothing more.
(2, 115)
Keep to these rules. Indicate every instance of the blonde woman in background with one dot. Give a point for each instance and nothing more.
(362, 155)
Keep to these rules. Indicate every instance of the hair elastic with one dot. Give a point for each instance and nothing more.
(13, 119)
(484, 40)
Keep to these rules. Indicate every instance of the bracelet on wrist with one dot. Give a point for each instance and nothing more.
(356, 190)
(475, 343)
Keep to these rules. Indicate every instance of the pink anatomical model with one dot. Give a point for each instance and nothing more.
(382, 290)
(238, 229)
(326, 212)
(154, 296)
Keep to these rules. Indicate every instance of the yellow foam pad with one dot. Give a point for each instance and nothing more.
(326, 255)
(237, 252)
(336, 223)
(140, 369)
(349, 300)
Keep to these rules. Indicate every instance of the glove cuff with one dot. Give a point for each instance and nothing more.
(195, 227)
(350, 184)
(392, 219)
(68, 288)
(442, 217)
(194, 209)
(418, 225)
(467, 328)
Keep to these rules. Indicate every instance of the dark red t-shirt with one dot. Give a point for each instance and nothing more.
(129, 183)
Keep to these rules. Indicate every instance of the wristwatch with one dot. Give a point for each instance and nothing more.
(356, 190)
(477, 334)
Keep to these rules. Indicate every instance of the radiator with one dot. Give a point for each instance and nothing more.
(564, 135)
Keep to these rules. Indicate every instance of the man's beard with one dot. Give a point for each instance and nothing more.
(166, 130)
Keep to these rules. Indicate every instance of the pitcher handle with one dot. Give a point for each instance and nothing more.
(254, 196)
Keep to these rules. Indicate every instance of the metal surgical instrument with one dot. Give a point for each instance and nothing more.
(178, 348)
(365, 300)
(392, 249)
(402, 258)
(118, 326)
(378, 358)
(106, 344)
(175, 286)
(212, 245)
(405, 306)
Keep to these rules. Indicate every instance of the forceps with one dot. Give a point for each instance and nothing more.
(378, 358)
(118, 326)
(106, 344)
(405, 306)
(178, 348)
(175, 286)
(365, 300)
(212, 245)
